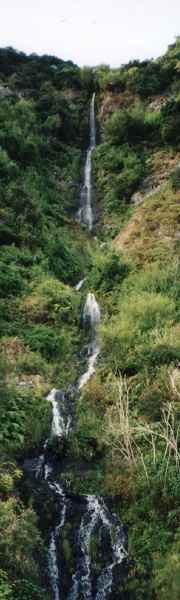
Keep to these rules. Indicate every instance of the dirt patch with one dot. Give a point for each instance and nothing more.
(153, 231)
(111, 102)
(129, 233)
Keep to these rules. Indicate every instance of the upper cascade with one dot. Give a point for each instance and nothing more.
(92, 123)
(85, 212)
(91, 312)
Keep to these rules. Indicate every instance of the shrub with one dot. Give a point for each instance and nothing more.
(108, 271)
(51, 301)
(126, 126)
(11, 281)
(118, 172)
(6, 589)
(175, 179)
(24, 418)
(64, 260)
(44, 339)
(8, 168)
(170, 122)
(149, 77)
(19, 550)
(129, 340)
(167, 572)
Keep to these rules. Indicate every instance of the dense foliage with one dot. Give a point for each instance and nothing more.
(43, 128)
(127, 418)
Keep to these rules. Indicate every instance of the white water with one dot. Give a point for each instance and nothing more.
(91, 312)
(96, 515)
(91, 366)
(85, 213)
(60, 426)
(52, 553)
(53, 566)
(41, 462)
(80, 284)
(91, 317)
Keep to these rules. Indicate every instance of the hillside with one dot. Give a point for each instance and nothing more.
(125, 441)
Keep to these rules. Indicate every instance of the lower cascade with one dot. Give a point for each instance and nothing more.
(88, 516)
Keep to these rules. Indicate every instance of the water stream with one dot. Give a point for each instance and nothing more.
(85, 213)
(89, 517)
(95, 517)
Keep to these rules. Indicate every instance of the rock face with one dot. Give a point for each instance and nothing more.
(114, 101)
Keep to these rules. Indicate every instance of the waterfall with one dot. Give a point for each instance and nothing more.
(91, 318)
(80, 284)
(61, 421)
(52, 552)
(91, 313)
(89, 515)
(95, 516)
(92, 123)
(85, 213)
(53, 566)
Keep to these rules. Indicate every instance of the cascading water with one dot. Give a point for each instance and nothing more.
(91, 318)
(80, 284)
(61, 421)
(85, 581)
(54, 571)
(91, 311)
(85, 213)
(96, 517)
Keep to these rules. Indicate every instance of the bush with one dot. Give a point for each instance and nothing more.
(175, 179)
(24, 418)
(8, 168)
(150, 77)
(108, 271)
(118, 173)
(65, 261)
(170, 122)
(126, 126)
(20, 546)
(130, 341)
(51, 301)
(6, 589)
(167, 572)
(11, 280)
(44, 339)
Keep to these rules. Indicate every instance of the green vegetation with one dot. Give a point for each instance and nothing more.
(43, 254)
(126, 437)
(135, 395)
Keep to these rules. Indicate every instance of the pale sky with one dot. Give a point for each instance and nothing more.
(90, 32)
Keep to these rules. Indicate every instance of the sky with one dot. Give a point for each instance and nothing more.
(90, 32)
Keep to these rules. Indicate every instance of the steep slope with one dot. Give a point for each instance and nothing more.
(137, 388)
(43, 253)
(125, 442)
